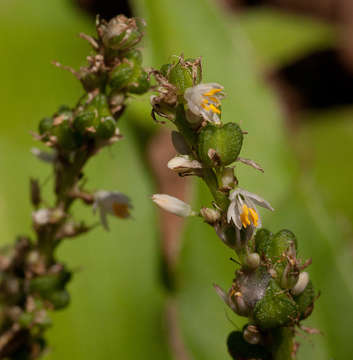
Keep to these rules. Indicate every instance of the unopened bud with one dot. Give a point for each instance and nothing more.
(173, 205)
(301, 284)
(121, 32)
(183, 164)
(41, 217)
(211, 216)
(252, 335)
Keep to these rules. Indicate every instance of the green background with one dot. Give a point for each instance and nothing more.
(117, 299)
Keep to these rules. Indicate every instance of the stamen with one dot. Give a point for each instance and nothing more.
(244, 216)
(214, 99)
(121, 210)
(214, 109)
(254, 217)
(212, 92)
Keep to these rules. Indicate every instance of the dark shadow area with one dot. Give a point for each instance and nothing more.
(105, 8)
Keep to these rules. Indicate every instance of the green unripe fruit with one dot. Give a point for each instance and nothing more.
(239, 349)
(305, 301)
(45, 125)
(59, 299)
(180, 76)
(84, 121)
(46, 284)
(262, 241)
(121, 75)
(220, 145)
(275, 309)
(106, 128)
(67, 139)
(139, 84)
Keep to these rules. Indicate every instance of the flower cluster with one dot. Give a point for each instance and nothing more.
(32, 280)
(270, 286)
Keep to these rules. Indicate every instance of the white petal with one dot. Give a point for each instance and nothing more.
(172, 205)
(258, 200)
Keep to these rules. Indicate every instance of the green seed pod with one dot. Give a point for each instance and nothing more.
(106, 128)
(121, 76)
(59, 299)
(239, 349)
(305, 301)
(46, 284)
(180, 76)
(84, 121)
(220, 145)
(139, 84)
(283, 243)
(91, 80)
(66, 137)
(275, 309)
(45, 125)
(262, 241)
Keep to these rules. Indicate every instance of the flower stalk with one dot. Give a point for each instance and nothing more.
(270, 287)
(33, 281)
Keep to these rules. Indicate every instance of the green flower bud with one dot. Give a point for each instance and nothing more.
(275, 309)
(106, 128)
(121, 33)
(59, 299)
(121, 76)
(45, 125)
(220, 145)
(305, 301)
(240, 349)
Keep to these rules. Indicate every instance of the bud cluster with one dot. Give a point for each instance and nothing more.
(32, 280)
(270, 287)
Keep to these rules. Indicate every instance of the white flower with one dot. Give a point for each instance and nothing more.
(203, 102)
(183, 163)
(113, 203)
(242, 210)
(173, 205)
(41, 217)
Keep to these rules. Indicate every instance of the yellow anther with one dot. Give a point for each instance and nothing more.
(244, 216)
(212, 92)
(254, 216)
(214, 99)
(214, 109)
(121, 210)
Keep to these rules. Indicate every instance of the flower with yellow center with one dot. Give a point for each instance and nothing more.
(113, 203)
(242, 209)
(204, 103)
